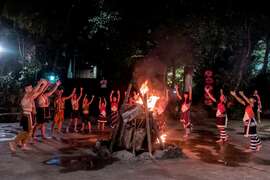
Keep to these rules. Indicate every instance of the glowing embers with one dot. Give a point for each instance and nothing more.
(151, 100)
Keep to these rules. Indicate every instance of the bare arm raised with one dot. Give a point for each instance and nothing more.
(42, 87)
(177, 92)
(58, 83)
(111, 95)
(210, 95)
(91, 100)
(233, 93)
(118, 96)
(70, 96)
(244, 97)
(80, 94)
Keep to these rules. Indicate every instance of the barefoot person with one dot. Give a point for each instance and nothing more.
(43, 111)
(75, 116)
(102, 118)
(114, 100)
(221, 115)
(257, 105)
(27, 104)
(59, 105)
(185, 109)
(85, 110)
(250, 124)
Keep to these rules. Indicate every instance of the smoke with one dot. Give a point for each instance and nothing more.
(172, 48)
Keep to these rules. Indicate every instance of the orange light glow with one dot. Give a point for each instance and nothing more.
(144, 88)
(163, 138)
(151, 100)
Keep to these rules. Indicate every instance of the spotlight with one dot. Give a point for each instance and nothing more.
(1, 49)
(52, 78)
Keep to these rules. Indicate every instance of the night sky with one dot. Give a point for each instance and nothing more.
(66, 27)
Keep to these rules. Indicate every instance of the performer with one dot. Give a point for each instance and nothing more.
(102, 119)
(221, 115)
(185, 109)
(132, 98)
(85, 107)
(27, 104)
(249, 120)
(43, 111)
(59, 105)
(75, 111)
(114, 108)
(257, 105)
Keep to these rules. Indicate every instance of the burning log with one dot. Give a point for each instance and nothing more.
(136, 124)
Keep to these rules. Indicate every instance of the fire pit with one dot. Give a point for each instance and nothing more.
(137, 129)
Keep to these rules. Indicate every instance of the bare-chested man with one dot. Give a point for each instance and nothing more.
(28, 105)
(75, 116)
(59, 105)
(43, 111)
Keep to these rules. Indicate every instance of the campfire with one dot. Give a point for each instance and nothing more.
(151, 100)
(138, 122)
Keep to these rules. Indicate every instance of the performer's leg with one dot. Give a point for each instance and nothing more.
(253, 143)
(102, 126)
(60, 126)
(83, 126)
(69, 124)
(259, 117)
(89, 127)
(258, 143)
(52, 127)
(223, 134)
(34, 131)
(43, 131)
(60, 122)
(75, 124)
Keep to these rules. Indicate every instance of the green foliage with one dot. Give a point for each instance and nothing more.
(258, 57)
(179, 76)
(102, 22)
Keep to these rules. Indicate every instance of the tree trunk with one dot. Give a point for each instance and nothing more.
(266, 55)
(245, 57)
(188, 77)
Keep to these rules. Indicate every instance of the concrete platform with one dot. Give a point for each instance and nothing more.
(70, 158)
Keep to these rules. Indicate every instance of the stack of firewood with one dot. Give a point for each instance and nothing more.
(136, 129)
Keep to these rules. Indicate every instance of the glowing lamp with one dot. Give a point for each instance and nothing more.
(1, 49)
(52, 77)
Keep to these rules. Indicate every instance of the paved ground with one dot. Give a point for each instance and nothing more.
(70, 158)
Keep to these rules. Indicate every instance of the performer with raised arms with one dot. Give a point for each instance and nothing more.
(185, 109)
(27, 104)
(249, 120)
(59, 105)
(221, 115)
(114, 100)
(102, 119)
(43, 111)
(75, 116)
(85, 110)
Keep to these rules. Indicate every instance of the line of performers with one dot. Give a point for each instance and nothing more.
(36, 113)
(252, 105)
(35, 118)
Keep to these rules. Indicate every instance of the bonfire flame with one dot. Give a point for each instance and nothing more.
(163, 138)
(151, 100)
(144, 88)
